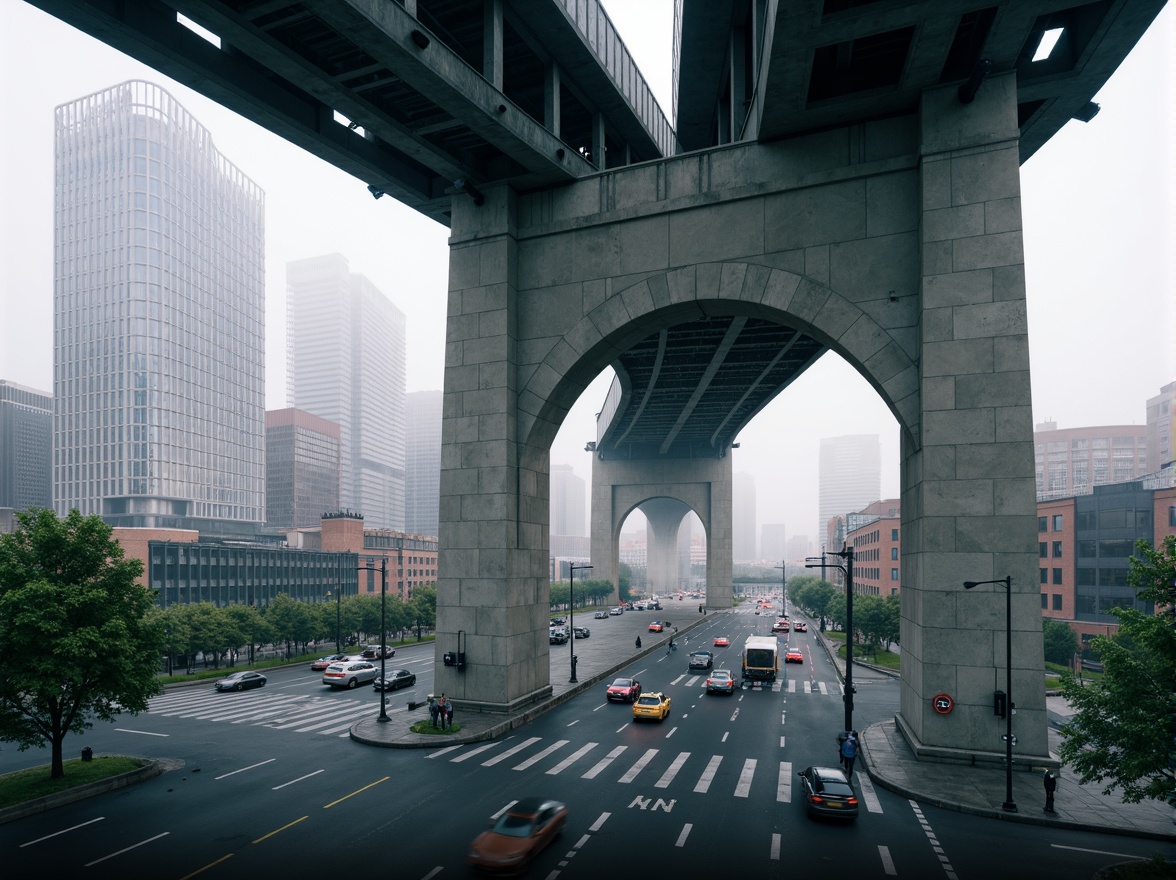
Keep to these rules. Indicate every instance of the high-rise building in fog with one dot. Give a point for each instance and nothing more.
(743, 528)
(773, 542)
(1072, 461)
(1161, 428)
(26, 447)
(422, 463)
(345, 361)
(301, 469)
(850, 477)
(568, 494)
(159, 318)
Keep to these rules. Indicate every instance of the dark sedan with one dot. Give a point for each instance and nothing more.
(702, 660)
(395, 680)
(827, 792)
(240, 681)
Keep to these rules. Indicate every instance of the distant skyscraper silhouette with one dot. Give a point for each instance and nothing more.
(743, 528)
(159, 318)
(422, 457)
(850, 477)
(345, 361)
(568, 496)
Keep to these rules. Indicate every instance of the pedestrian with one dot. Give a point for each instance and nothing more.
(849, 752)
(434, 709)
(638, 641)
(1051, 783)
(443, 710)
(449, 714)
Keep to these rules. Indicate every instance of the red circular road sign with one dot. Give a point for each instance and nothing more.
(943, 703)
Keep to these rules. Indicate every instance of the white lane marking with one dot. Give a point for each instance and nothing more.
(440, 752)
(432, 873)
(62, 831)
(465, 756)
(784, 783)
(808, 687)
(672, 729)
(792, 685)
(708, 775)
(781, 742)
(725, 735)
(571, 759)
(599, 823)
(603, 762)
(243, 769)
(140, 732)
(775, 852)
(559, 744)
(744, 786)
(887, 862)
(299, 779)
(127, 849)
(1098, 852)
(574, 723)
(869, 795)
(670, 773)
(685, 833)
(503, 810)
(824, 690)
(735, 714)
(511, 752)
(632, 772)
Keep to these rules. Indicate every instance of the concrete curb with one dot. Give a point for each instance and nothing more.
(149, 770)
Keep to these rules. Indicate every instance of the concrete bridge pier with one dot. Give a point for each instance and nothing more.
(664, 517)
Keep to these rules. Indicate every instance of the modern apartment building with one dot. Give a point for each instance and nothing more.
(1072, 461)
(159, 319)
(850, 473)
(26, 447)
(346, 363)
(301, 469)
(422, 462)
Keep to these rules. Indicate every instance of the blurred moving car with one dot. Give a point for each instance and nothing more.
(793, 656)
(323, 662)
(580, 632)
(720, 681)
(651, 705)
(624, 690)
(349, 673)
(655, 627)
(378, 652)
(518, 835)
(780, 626)
(557, 635)
(394, 680)
(827, 792)
(616, 612)
(800, 626)
(240, 681)
(702, 660)
(600, 615)
(722, 642)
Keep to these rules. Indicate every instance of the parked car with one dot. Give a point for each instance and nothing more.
(518, 835)
(600, 615)
(323, 662)
(827, 792)
(720, 681)
(394, 680)
(557, 636)
(655, 626)
(580, 632)
(616, 612)
(702, 660)
(378, 652)
(651, 705)
(240, 681)
(793, 656)
(558, 621)
(624, 690)
(722, 642)
(349, 674)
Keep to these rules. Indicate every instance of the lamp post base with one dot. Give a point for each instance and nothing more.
(1009, 807)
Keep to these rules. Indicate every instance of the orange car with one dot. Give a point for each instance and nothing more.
(518, 835)
(722, 642)
(793, 656)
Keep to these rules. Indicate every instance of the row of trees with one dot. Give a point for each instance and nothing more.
(875, 619)
(223, 632)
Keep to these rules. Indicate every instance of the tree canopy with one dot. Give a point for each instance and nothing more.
(69, 598)
(1124, 728)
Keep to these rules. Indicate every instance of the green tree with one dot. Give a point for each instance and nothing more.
(69, 599)
(246, 627)
(290, 619)
(1124, 728)
(423, 605)
(209, 631)
(1060, 642)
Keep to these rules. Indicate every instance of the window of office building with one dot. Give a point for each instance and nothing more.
(894, 574)
(1057, 575)
(1057, 522)
(1044, 601)
(1042, 549)
(1042, 523)
(1044, 575)
(1057, 601)
(1057, 549)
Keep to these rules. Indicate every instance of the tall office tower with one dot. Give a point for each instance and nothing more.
(774, 543)
(1072, 461)
(850, 476)
(568, 496)
(345, 361)
(743, 531)
(1161, 428)
(301, 469)
(422, 463)
(26, 447)
(159, 319)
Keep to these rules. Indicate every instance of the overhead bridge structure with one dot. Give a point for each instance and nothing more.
(836, 175)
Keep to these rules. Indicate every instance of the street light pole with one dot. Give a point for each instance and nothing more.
(1008, 806)
(572, 613)
(845, 553)
(383, 570)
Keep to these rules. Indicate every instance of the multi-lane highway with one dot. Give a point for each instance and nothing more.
(268, 781)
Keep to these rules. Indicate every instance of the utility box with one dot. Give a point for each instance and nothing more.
(1000, 704)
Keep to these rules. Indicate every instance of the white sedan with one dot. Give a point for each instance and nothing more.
(350, 673)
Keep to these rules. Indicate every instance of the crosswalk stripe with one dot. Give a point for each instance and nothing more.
(824, 691)
(539, 757)
(784, 784)
(632, 772)
(792, 685)
(571, 759)
(670, 773)
(708, 775)
(603, 763)
(743, 788)
(511, 752)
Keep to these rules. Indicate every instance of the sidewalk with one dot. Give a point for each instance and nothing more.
(885, 755)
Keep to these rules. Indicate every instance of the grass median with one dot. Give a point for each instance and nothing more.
(33, 783)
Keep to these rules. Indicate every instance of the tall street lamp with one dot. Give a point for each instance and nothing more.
(572, 613)
(1008, 806)
(783, 566)
(846, 553)
(383, 570)
(338, 617)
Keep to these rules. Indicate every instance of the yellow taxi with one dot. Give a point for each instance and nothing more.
(652, 705)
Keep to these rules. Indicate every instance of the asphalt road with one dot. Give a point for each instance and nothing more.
(268, 782)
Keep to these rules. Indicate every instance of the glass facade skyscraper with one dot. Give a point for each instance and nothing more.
(159, 318)
(346, 361)
(422, 454)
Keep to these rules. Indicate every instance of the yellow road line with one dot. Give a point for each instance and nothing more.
(354, 793)
(206, 867)
(278, 830)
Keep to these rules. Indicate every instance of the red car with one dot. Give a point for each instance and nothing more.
(518, 835)
(323, 662)
(793, 656)
(624, 690)
(722, 642)
(655, 627)
(800, 627)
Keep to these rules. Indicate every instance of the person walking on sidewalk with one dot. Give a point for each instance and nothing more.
(849, 752)
(1051, 784)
